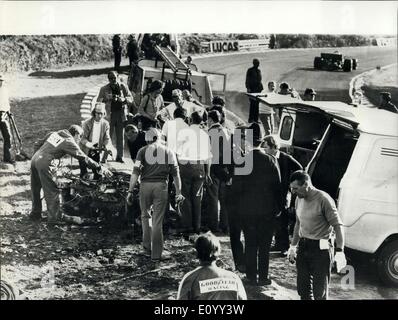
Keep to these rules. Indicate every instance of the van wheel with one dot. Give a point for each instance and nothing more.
(387, 264)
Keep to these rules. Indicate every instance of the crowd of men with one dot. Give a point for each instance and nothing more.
(226, 181)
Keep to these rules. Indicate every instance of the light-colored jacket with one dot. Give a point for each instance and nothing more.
(104, 140)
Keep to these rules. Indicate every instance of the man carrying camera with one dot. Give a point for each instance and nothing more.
(117, 97)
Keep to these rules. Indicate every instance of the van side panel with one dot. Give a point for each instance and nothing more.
(368, 193)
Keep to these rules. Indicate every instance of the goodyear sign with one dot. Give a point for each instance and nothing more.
(224, 46)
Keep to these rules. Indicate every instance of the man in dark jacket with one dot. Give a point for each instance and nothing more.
(261, 193)
(132, 50)
(254, 85)
(287, 165)
(219, 173)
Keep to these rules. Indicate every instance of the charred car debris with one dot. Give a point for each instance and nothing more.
(103, 202)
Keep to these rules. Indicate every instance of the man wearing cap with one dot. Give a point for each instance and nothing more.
(385, 102)
(4, 122)
(54, 146)
(117, 97)
(254, 85)
(151, 103)
(95, 137)
(154, 163)
(309, 94)
(261, 192)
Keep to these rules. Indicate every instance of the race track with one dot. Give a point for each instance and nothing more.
(294, 66)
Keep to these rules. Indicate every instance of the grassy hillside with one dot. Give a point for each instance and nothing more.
(50, 51)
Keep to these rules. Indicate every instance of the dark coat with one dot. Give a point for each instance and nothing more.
(287, 165)
(261, 190)
(253, 80)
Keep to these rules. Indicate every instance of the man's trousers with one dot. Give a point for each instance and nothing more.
(117, 126)
(214, 193)
(258, 233)
(153, 195)
(192, 179)
(42, 178)
(313, 270)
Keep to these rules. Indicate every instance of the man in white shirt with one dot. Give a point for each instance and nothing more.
(194, 157)
(267, 113)
(171, 129)
(4, 124)
(178, 102)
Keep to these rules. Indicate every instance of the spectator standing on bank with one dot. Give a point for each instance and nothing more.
(154, 163)
(4, 121)
(385, 102)
(209, 282)
(254, 85)
(132, 50)
(117, 97)
(317, 218)
(117, 51)
(287, 165)
(262, 194)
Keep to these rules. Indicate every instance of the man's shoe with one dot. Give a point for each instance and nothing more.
(264, 282)
(118, 159)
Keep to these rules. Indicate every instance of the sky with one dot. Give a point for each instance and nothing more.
(108, 17)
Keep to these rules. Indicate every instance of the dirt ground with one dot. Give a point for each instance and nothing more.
(92, 262)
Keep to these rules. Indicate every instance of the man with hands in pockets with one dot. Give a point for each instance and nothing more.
(312, 245)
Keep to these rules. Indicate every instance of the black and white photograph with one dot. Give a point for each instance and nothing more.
(199, 150)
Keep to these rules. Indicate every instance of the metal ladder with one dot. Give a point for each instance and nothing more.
(171, 60)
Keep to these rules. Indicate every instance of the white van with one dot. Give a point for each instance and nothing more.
(352, 153)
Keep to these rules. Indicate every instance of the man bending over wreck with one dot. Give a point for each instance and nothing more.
(54, 146)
